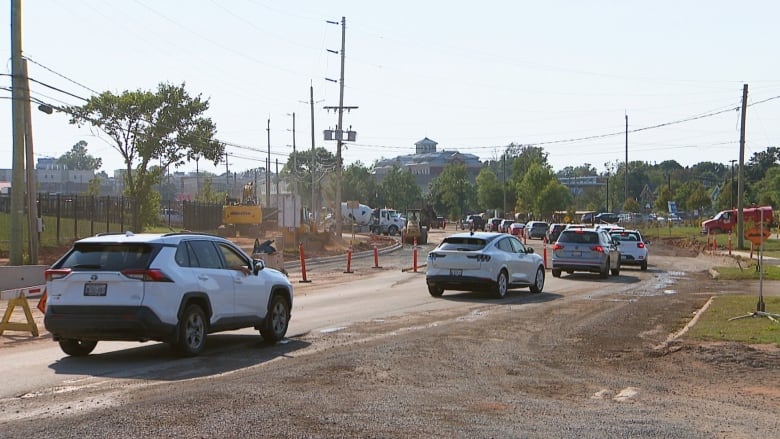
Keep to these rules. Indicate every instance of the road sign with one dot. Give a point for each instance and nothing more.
(757, 235)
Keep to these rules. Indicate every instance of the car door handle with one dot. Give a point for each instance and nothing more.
(203, 277)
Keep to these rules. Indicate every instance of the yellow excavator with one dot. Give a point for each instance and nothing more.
(242, 217)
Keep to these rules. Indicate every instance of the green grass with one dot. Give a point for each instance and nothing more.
(714, 324)
(749, 271)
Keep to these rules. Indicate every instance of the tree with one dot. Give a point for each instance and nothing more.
(631, 205)
(77, 158)
(760, 163)
(553, 197)
(530, 187)
(401, 190)
(359, 184)
(489, 192)
(452, 191)
(162, 128)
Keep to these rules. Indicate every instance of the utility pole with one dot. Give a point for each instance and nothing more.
(17, 116)
(313, 159)
(503, 177)
(731, 188)
(295, 166)
(626, 195)
(268, 168)
(339, 134)
(32, 205)
(741, 176)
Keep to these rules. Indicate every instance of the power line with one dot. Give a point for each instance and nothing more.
(60, 75)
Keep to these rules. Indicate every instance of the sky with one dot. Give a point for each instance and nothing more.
(474, 77)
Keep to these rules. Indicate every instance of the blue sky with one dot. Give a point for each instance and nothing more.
(471, 76)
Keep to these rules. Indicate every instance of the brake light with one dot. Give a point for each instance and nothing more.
(640, 245)
(557, 247)
(151, 275)
(56, 273)
(597, 248)
(480, 257)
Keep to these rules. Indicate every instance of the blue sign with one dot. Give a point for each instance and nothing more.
(672, 206)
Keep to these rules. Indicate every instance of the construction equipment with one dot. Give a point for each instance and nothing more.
(414, 230)
(242, 217)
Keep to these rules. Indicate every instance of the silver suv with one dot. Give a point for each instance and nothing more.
(585, 249)
(174, 288)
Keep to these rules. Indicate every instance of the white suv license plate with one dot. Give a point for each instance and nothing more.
(95, 290)
(456, 272)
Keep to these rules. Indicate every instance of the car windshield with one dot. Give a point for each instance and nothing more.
(108, 257)
(464, 243)
(626, 236)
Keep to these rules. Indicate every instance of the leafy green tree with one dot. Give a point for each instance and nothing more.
(529, 190)
(490, 194)
(206, 194)
(453, 192)
(78, 158)
(166, 127)
(553, 197)
(760, 163)
(93, 189)
(663, 198)
(401, 190)
(359, 184)
(631, 205)
(698, 198)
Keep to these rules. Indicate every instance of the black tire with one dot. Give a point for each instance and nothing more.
(604, 274)
(192, 330)
(392, 230)
(435, 291)
(502, 284)
(77, 348)
(556, 272)
(538, 284)
(616, 271)
(643, 267)
(277, 320)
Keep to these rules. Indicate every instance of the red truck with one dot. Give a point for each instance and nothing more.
(726, 220)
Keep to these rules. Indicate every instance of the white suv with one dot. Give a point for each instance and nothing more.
(174, 287)
(633, 248)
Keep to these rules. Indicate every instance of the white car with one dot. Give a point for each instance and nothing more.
(633, 248)
(481, 261)
(174, 288)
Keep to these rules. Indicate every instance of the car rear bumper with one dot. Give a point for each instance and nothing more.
(461, 283)
(120, 323)
(577, 266)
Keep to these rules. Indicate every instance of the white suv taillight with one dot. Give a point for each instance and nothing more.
(53, 274)
(151, 275)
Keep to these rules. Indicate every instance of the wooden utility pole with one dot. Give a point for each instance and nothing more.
(741, 175)
(17, 116)
(268, 168)
(313, 159)
(339, 165)
(625, 198)
(32, 205)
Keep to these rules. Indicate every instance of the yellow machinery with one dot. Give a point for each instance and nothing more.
(414, 230)
(242, 217)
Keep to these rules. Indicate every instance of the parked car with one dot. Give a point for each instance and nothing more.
(516, 229)
(536, 229)
(504, 226)
(606, 218)
(474, 222)
(174, 288)
(493, 224)
(171, 217)
(483, 261)
(633, 247)
(554, 231)
(585, 249)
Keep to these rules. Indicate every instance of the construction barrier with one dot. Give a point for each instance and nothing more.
(19, 298)
(414, 256)
(349, 260)
(729, 243)
(303, 264)
(376, 257)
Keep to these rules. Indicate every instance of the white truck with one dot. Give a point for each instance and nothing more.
(352, 214)
(387, 222)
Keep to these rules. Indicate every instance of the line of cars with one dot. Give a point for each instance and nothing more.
(495, 262)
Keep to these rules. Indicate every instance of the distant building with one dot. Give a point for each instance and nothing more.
(427, 163)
